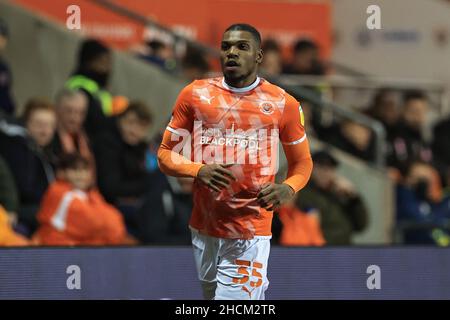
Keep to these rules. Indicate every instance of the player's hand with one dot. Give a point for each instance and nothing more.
(216, 176)
(273, 195)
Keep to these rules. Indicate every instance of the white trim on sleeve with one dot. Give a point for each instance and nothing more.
(173, 130)
(296, 141)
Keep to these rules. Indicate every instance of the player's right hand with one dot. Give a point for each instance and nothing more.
(216, 176)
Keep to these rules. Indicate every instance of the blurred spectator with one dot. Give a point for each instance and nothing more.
(26, 150)
(151, 155)
(408, 143)
(355, 139)
(305, 60)
(71, 109)
(9, 197)
(93, 71)
(272, 64)
(292, 226)
(342, 211)
(6, 102)
(8, 237)
(164, 216)
(73, 213)
(441, 149)
(160, 54)
(194, 63)
(120, 155)
(308, 116)
(418, 202)
(385, 109)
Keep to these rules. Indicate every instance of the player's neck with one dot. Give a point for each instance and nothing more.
(241, 84)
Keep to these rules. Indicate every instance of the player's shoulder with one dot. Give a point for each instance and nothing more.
(277, 91)
(200, 84)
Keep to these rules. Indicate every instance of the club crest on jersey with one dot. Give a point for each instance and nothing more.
(267, 107)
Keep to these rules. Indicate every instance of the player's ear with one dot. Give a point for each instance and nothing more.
(259, 56)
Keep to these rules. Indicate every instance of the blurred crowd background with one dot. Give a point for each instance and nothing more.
(82, 113)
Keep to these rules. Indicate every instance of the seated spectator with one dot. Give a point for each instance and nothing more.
(292, 226)
(441, 150)
(121, 157)
(194, 63)
(342, 211)
(26, 150)
(385, 109)
(7, 104)
(419, 201)
(8, 237)
(165, 213)
(160, 54)
(408, 144)
(305, 60)
(272, 64)
(71, 109)
(355, 139)
(74, 213)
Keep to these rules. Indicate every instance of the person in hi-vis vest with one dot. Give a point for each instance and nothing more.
(91, 76)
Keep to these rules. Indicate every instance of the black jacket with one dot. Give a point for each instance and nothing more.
(441, 143)
(121, 169)
(340, 216)
(408, 145)
(31, 166)
(165, 213)
(340, 141)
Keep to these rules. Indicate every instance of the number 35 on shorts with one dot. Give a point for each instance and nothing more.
(244, 268)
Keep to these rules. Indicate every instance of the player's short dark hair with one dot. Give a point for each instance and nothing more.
(246, 27)
(304, 45)
(414, 95)
(72, 161)
(141, 110)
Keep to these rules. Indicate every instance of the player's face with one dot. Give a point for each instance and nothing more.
(240, 56)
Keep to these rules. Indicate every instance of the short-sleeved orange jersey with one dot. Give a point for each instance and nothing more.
(220, 124)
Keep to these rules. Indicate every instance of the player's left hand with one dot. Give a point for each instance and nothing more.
(273, 195)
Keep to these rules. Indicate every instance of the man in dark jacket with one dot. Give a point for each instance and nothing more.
(25, 150)
(342, 211)
(409, 144)
(120, 157)
(355, 139)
